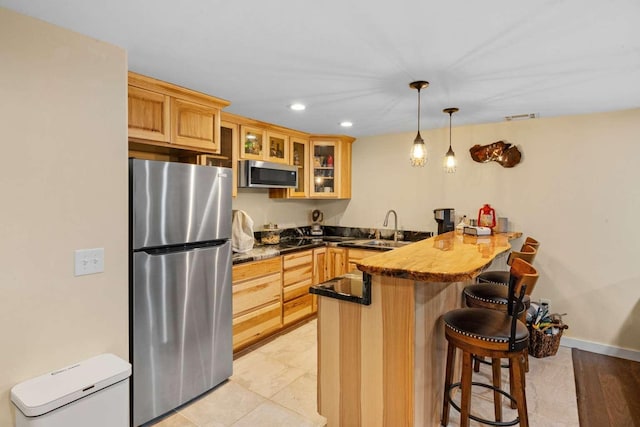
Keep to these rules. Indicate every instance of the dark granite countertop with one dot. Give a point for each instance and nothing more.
(347, 237)
(354, 286)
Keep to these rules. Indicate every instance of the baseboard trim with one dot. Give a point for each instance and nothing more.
(595, 347)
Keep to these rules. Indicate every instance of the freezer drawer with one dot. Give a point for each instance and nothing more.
(181, 327)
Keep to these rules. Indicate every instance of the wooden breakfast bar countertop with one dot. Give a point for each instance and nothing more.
(382, 365)
(448, 257)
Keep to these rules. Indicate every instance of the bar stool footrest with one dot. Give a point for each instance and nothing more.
(485, 362)
(476, 418)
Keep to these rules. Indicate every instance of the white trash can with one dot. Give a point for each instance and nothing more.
(94, 392)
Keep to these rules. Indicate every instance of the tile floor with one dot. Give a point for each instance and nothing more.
(275, 386)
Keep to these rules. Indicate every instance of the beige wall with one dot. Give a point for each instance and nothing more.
(576, 190)
(64, 187)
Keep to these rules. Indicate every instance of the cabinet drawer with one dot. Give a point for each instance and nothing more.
(255, 269)
(302, 273)
(297, 259)
(250, 294)
(252, 326)
(298, 308)
(297, 289)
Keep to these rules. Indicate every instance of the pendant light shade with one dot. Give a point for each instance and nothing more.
(418, 150)
(450, 162)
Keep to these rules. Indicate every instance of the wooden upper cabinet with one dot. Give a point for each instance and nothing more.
(195, 125)
(165, 114)
(278, 147)
(258, 143)
(252, 143)
(299, 153)
(330, 167)
(148, 114)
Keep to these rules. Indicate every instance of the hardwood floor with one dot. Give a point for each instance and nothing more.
(606, 389)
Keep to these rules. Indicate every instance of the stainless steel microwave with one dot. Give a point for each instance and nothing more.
(259, 174)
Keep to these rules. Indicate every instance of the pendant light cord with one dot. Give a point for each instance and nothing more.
(450, 113)
(418, 110)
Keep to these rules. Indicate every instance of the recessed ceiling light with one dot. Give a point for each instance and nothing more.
(346, 124)
(297, 106)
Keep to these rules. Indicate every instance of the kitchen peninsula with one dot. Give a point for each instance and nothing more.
(383, 364)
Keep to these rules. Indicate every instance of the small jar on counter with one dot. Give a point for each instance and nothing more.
(270, 235)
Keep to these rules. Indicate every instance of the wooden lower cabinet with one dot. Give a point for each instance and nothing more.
(357, 255)
(257, 301)
(297, 277)
(336, 262)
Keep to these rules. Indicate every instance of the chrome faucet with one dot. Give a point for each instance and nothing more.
(395, 223)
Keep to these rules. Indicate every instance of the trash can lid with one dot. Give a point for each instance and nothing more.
(50, 391)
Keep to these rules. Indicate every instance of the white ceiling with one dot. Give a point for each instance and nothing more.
(353, 59)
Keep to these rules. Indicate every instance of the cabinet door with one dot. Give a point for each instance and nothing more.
(319, 265)
(336, 262)
(228, 152)
(195, 125)
(278, 144)
(319, 272)
(357, 255)
(300, 158)
(299, 150)
(251, 143)
(324, 161)
(148, 114)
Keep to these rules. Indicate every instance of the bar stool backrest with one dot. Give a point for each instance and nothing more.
(531, 242)
(527, 253)
(522, 276)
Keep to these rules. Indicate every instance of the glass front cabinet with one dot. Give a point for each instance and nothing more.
(261, 144)
(300, 158)
(278, 147)
(228, 146)
(252, 143)
(324, 167)
(324, 159)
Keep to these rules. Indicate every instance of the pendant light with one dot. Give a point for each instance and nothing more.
(418, 150)
(450, 157)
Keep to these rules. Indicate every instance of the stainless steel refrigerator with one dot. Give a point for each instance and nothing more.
(180, 283)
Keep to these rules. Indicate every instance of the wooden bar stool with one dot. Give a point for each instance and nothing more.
(491, 291)
(528, 252)
(493, 294)
(496, 335)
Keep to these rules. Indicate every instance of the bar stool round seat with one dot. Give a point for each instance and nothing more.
(491, 295)
(493, 276)
(481, 327)
(527, 252)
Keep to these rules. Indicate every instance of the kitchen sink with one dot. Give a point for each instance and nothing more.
(384, 243)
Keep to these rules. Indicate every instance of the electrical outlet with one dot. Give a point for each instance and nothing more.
(545, 301)
(89, 261)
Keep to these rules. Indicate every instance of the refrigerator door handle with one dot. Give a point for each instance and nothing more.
(181, 248)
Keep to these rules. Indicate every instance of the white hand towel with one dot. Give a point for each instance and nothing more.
(241, 232)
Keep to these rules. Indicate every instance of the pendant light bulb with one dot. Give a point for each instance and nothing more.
(418, 155)
(450, 162)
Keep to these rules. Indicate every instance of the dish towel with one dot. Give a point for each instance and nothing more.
(241, 232)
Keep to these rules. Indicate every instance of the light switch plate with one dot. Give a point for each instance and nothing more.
(89, 261)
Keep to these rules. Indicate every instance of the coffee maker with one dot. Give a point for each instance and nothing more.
(444, 217)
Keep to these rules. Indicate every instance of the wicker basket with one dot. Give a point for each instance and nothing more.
(543, 345)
